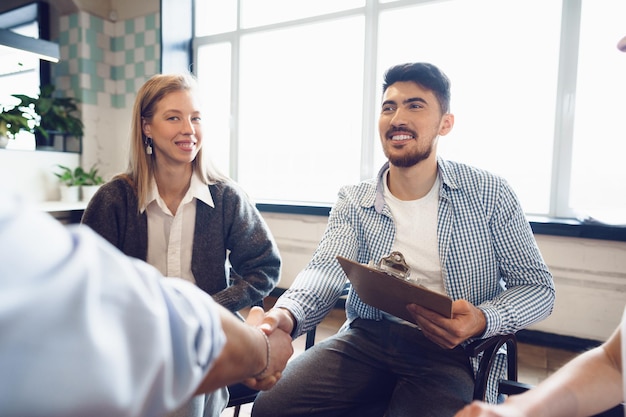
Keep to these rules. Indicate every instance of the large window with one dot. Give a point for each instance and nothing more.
(538, 93)
(20, 72)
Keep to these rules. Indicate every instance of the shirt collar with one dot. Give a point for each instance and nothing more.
(200, 190)
(197, 189)
(379, 199)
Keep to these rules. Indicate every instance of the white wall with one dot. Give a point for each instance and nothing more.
(590, 279)
(590, 275)
(106, 140)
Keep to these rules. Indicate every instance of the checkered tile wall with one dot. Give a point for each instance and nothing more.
(104, 63)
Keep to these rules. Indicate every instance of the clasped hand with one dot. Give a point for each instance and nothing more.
(280, 347)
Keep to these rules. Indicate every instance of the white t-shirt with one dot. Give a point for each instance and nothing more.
(416, 238)
(416, 235)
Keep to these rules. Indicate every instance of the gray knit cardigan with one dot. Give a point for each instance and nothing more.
(233, 228)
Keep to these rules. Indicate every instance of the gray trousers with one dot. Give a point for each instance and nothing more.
(373, 368)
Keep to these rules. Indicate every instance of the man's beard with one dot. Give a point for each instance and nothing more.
(408, 159)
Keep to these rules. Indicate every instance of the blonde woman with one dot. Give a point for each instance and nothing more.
(173, 210)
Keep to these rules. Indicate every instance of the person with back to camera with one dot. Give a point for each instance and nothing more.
(462, 232)
(175, 211)
(88, 331)
(589, 384)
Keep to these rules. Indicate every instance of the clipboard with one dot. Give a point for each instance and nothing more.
(390, 293)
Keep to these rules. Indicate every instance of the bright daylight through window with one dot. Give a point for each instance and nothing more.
(537, 91)
(19, 73)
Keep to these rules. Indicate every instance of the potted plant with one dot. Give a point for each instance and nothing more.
(91, 184)
(12, 121)
(52, 114)
(70, 181)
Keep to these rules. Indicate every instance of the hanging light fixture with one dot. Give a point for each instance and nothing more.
(41, 48)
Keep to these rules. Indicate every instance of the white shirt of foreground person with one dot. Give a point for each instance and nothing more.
(86, 331)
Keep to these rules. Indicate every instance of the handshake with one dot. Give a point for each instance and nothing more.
(256, 352)
(276, 346)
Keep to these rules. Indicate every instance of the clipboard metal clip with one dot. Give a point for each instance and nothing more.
(395, 265)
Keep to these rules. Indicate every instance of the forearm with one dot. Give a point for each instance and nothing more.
(587, 385)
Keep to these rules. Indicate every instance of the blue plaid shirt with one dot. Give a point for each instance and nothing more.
(487, 251)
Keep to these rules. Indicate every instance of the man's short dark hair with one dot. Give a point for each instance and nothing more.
(425, 75)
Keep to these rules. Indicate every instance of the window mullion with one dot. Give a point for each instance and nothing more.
(369, 134)
(565, 110)
(234, 98)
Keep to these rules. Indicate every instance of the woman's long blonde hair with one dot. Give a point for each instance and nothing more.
(141, 165)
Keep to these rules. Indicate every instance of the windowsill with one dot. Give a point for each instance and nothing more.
(66, 213)
(540, 225)
(58, 206)
(577, 228)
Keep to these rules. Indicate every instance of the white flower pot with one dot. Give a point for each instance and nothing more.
(70, 194)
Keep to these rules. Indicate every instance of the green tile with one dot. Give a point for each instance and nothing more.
(150, 53)
(151, 22)
(91, 37)
(74, 21)
(140, 39)
(87, 66)
(117, 44)
(140, 69)
(96, 23)
(129, 57)
(73, 51)
(118, 101)
(129, 26)
(89, 97)
(117, 73)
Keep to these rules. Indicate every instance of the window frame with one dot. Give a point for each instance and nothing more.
(39, 12)
(564, 122)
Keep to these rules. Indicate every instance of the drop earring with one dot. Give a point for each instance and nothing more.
(148, 142)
